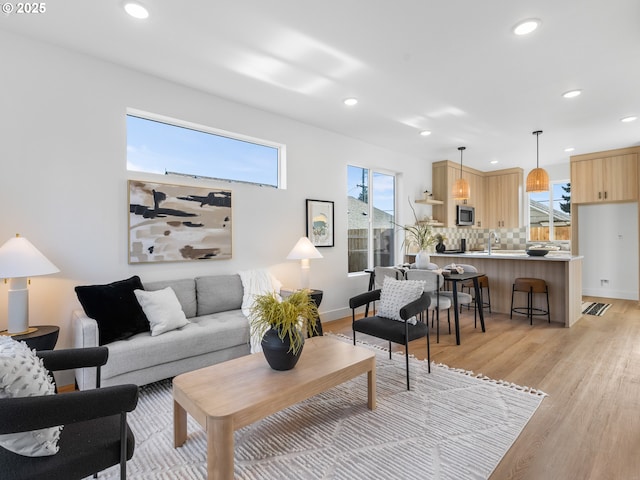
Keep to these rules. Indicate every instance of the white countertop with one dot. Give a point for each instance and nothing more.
(558, 256)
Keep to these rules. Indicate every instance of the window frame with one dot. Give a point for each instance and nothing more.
(371, 172)
(551, 225)
(281, 148)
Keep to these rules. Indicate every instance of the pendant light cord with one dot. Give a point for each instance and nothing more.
(537, 134)
(461, 150)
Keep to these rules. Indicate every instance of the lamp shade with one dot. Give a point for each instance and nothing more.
(538, 180)
(461, 190)
(303, 249)
(19, 258)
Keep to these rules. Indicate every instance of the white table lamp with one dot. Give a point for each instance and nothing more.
(19, 259)
(303, 251)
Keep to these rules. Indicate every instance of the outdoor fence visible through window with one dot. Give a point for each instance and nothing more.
(550, 213)
(371, 213)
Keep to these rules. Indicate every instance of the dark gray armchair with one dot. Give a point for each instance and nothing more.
(95, 434)
(395, 331)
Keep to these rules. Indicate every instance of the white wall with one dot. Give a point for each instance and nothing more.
(63, 183)
(609, 243)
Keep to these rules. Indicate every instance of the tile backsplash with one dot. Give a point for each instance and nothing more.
(477, 238)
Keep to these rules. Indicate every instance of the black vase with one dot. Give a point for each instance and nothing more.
(278, 352)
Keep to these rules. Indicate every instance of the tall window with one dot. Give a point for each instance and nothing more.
(167, 146)
(550, 213)
(371, 197)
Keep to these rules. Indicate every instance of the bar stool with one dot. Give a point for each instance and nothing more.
(483, 283)
(530, 286)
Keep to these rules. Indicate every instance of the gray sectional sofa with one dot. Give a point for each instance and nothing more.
(218, 331)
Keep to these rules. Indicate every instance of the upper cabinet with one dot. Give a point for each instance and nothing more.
(444, 174)
(605, 176)
(503, 191)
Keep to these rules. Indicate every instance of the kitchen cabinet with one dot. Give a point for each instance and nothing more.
(503, 194)
(612, 177)
(444, 174)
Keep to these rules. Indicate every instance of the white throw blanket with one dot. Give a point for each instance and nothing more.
(256, 282)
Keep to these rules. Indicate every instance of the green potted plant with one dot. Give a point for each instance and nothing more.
(282, 325)
(419, 235)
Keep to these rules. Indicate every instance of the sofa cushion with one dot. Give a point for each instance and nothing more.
(203, 335)
(115, 307)
(163, 310)
(185, 290)
(218, 293)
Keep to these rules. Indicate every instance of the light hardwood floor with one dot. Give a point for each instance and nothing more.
(589, 425)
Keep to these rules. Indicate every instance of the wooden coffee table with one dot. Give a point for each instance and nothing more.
(227, 396)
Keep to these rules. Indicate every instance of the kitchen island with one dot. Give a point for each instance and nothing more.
(561, 271)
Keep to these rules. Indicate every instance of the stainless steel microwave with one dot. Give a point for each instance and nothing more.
(465, 215)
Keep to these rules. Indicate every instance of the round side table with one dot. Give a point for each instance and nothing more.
(43, 337)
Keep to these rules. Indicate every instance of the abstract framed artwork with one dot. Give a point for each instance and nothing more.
(320, 222)
(170, 223)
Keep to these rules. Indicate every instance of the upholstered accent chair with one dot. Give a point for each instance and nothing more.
(408, 325)
(95, 434)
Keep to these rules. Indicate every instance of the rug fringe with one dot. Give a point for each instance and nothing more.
(469, 373)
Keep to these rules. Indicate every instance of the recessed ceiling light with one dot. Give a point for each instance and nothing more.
(493, 162)
(350, 101)
(630, 118)
(425, 133)
(527, 26)
(569, 149)
(571, 93)
(136, 10)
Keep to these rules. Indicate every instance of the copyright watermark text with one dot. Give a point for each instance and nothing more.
(19, 8)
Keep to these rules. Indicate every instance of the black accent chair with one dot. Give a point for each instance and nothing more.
(392, 330)
(95, 434)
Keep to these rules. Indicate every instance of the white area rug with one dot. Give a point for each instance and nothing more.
(451, 425)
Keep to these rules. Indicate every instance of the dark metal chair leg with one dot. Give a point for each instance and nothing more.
(548, 308)
(513, 289)
(123, 446)
(406, 355)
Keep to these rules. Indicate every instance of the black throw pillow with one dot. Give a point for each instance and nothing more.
(115, 307)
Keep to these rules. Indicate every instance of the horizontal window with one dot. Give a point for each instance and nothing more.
(171, 147)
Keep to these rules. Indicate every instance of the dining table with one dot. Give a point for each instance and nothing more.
(454, 279)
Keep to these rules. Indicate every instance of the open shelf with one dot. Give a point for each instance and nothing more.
(429, 201)
(432, 224)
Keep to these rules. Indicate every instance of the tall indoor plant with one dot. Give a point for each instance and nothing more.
(282, 325)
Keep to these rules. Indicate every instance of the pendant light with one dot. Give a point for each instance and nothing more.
(461, 190)
(538, 178)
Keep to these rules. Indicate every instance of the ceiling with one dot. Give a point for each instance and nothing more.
(454, 68)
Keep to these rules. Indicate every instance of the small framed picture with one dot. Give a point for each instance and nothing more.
(320, 222)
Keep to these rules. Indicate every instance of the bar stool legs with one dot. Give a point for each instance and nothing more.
(530, 286)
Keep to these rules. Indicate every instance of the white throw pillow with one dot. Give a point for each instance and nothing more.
(162, 308)
(396, 294)
(24, 375)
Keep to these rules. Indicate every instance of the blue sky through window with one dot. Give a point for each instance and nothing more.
(556, 190)
(158, 147)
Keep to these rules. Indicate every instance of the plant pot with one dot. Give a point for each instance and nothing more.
(423, 259)
(277, 351)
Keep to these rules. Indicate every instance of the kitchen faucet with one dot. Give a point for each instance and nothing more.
(494, 235)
